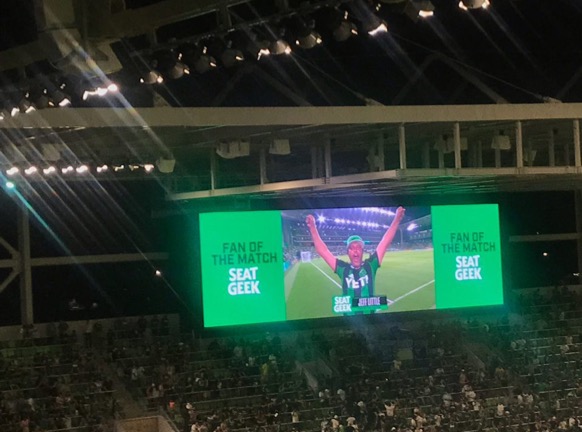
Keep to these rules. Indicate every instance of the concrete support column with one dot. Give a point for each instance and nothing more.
(578, 207)
(402, 146)
(518, 145)
(551, 149)
(26, 305)
(263, 166)
(576, 131)
(327, 158)
(213, 169)
(457, 144)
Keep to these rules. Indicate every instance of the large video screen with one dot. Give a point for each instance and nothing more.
(268, 266)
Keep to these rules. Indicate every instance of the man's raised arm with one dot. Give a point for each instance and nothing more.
(389, 234)
(320, 247)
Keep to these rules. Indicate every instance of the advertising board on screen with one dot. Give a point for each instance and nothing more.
(269, 266)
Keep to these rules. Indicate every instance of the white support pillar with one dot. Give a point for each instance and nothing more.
(213, 169)
(552, 149)
(457, 144)
(263, 166)
(518, 145)
(381, 161)
(578, 208)
(26, 305)
(327, 159)
(426, 155)
(313, 162)
(402, 146)
(576, 130)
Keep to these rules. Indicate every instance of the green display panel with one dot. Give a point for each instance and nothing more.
(242, 268)
(267, 266)
(467, 255)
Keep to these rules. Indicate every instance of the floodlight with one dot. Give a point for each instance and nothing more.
(473, 4)
(279, 46)
(12, 171)
(336, 22)
(381, 27)
(151, 77)
(196, 57)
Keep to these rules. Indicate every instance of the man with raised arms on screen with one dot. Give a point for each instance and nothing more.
(358, 275)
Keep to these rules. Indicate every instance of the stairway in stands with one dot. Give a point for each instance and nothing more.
(128, 407)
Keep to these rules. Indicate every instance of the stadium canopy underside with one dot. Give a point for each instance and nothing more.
(317, 150)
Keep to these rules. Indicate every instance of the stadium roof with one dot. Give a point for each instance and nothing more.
(516, 60)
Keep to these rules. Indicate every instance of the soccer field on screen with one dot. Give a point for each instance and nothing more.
(405, 277)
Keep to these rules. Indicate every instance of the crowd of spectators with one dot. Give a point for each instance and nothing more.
(520, 371)
(463, 375)
(53, 383)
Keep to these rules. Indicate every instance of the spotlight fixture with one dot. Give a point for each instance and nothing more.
(102, 168)
(25, 105)
(474, 4)
(169, 64)
(148, 168)
(335, 21)
(226, 51)
(117, 168)
(39, 97)
(67, 170)
(151, 77)
(370, 22)
(49, 170)
(303, 33)
(424, 8)
(279, 46)
(100, 91)
(31, 170)
(82, 169)
(196, 57)
(60, 99)
(12, 171)
(380, 28)
(258, 47)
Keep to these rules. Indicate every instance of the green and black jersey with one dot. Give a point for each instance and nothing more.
(358, 282)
